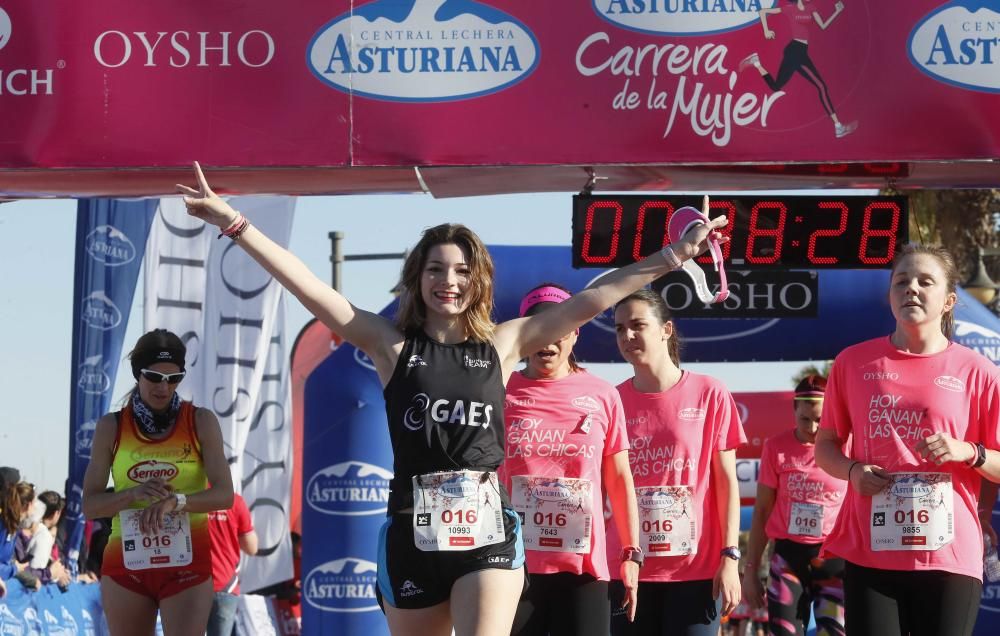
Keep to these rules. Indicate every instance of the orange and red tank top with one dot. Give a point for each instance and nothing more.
(177, 460)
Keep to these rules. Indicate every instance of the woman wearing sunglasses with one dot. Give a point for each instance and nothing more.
(162, 453)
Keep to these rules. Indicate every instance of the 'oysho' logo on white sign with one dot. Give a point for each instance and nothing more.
(957, 44)
(681, 17)
(423, 50)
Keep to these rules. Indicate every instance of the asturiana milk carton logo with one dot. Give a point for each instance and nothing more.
(5, 27)
(343, 585)
(85, 438)
(350, 488)
(98, 312)
(423, 50)
(92, 378)
(956, 44)
(681, 17)
(109, 245)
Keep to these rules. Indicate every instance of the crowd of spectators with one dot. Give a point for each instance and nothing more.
(32, 538)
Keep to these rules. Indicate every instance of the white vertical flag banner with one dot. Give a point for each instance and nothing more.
(229, 312)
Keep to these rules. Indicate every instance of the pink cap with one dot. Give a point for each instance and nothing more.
(542, 295)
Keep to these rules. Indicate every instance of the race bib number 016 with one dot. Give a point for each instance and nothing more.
(456, 510)
(805, 520)
(914, 512)
(170, 547)
(556, 512)
(667, 524)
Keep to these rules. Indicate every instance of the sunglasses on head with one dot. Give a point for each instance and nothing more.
(156, 377)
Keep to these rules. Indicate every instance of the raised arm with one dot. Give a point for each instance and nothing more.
(516, 339)
(837, 9)
(763, 13)
(373, 334)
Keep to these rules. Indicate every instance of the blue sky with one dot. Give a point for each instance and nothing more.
(36, 297)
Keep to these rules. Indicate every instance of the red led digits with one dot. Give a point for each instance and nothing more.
(637, 251)
(730, 210)
(867, 233)
(776, 234)
(815, 236)
(589, 227)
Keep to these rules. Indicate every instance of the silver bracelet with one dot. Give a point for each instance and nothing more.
(670, 257)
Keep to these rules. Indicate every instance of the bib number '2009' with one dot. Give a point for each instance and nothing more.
(456, 510)
(667, 525)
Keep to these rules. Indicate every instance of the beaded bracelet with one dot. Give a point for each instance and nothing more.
(236, 228)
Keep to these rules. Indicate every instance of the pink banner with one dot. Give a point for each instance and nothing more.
(336, 83)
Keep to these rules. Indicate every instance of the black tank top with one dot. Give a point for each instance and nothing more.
(445, 409)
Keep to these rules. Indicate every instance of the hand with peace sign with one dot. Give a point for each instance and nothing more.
(205, 204)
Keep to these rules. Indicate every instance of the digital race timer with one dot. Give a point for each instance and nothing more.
(851, 232)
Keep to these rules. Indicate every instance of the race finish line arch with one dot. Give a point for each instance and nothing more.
(350, 96)
(461, 98)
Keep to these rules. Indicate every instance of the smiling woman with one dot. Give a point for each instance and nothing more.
(443, 364)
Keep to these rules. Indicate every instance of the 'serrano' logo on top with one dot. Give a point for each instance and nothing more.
(109, 245)
(423, 51)
(956, 44)
(681, 17)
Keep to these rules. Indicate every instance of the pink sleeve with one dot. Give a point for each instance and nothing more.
(731, 435)
(768, 475)
(617, 439)
(836, 414)
(244, 523)
(989, 413)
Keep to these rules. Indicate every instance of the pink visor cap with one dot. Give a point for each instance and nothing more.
(542, 295)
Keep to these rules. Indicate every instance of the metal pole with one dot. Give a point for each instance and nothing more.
(336, 258)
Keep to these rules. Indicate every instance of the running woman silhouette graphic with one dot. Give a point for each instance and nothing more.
(795, 58)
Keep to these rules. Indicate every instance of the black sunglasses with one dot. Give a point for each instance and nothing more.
(156, 377)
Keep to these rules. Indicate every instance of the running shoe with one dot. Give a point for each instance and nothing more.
(751, 60)
(843, 130)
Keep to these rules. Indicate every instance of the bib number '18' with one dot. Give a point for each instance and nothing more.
(914, 512)
(556, 512)
(168, 548)
(456, 510)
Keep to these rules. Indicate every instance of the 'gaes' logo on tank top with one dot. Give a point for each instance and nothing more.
(446, 412)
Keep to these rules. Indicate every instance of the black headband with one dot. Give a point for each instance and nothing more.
(146, 359)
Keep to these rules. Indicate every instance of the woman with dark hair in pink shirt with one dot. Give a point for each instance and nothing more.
(920, 414)
(797, 504)
(566, 446)
(683, 429)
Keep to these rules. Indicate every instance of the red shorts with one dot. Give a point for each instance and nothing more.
(162, 583)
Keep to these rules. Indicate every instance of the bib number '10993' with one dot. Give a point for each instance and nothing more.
(457, 510)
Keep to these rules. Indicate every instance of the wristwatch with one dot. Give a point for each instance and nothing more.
(980, 457)
(732, 552)
(182, 501)
(632, 553)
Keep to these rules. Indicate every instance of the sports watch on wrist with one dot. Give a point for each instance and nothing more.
(182, 501)
(980, 457)
(732, 552)
(632, 553)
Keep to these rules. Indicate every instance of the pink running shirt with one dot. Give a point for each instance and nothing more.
(800, 22)
(890, 400)
(564, 428)
(674, 435)
(789, 466)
